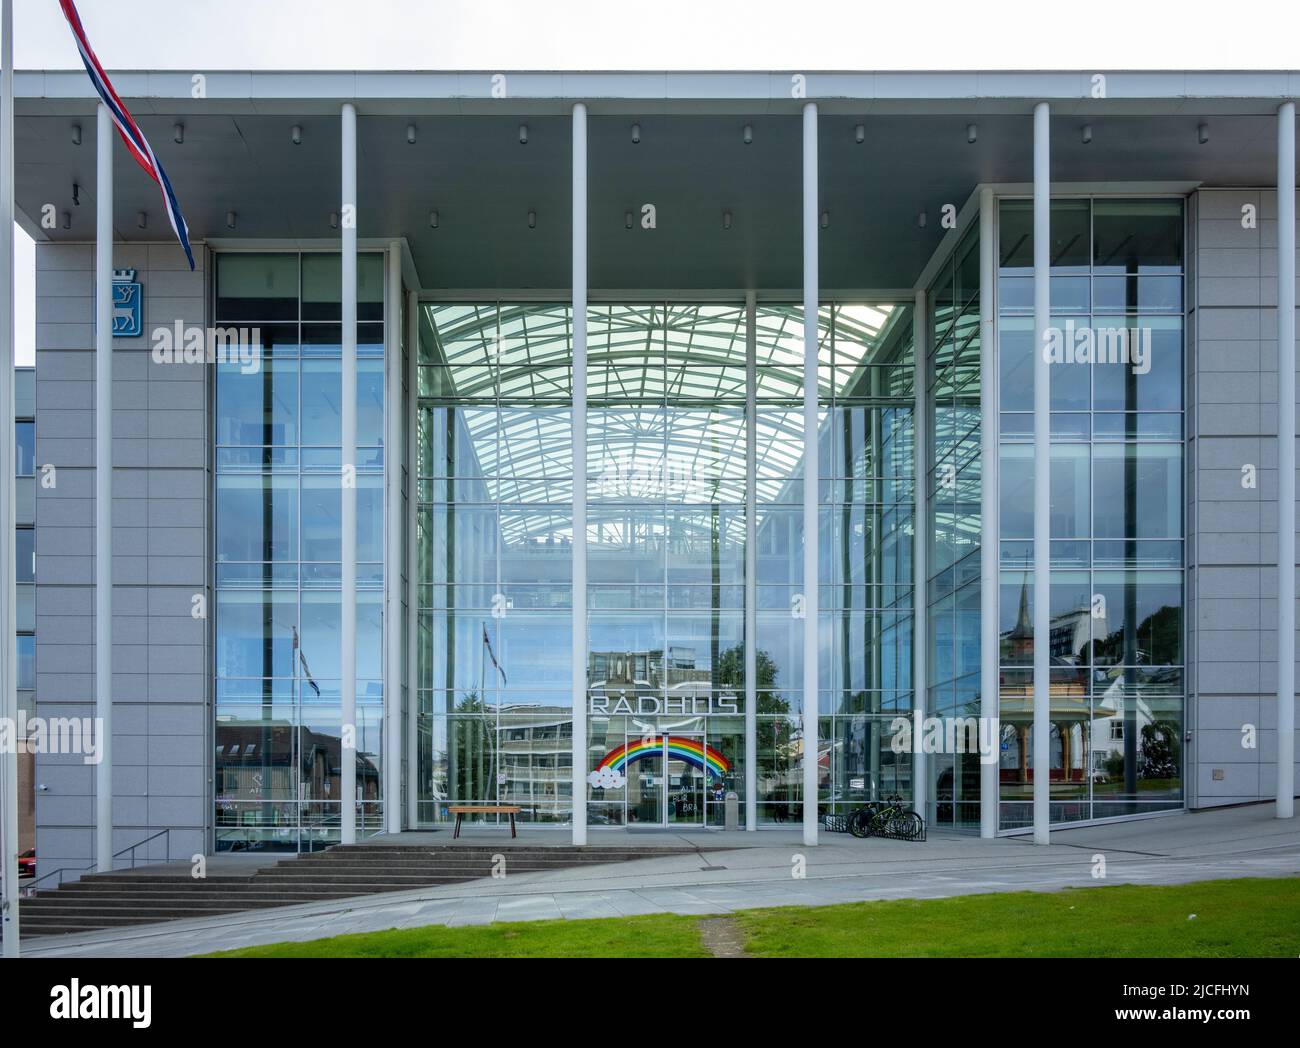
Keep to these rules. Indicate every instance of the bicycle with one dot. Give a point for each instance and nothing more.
(859, 820)
(887, 819)
(898, 822)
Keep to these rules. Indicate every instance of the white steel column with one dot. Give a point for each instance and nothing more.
(989, 678)
(348, 511)
(920, 552)
(104, 488)
(393, 541)
(579, 645)
(1042, 475)
(810, 474)
(8, 587)
(751, 560)
(1286, 190)
(412, 561)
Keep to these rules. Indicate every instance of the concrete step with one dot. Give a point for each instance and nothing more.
(125, 898)
(471, 867)
(283, 888)
(99, 880)
(182, 900)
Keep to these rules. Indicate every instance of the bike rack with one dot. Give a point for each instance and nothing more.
(840, 824)
(917, 836)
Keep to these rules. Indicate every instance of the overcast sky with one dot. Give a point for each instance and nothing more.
(665, 34)
(201, 35)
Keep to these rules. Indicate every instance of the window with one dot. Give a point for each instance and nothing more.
(278, 547)
(26, 449)
(1117, 524)
(25, 541)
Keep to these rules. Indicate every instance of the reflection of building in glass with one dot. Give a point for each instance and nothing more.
(272, 775)
(511, 754)
(650, 670)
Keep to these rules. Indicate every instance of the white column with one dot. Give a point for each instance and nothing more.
(348, 510)
(8, 587)
(751, 560)
(393, 541)
(104, 488)
(920, 548)
(1042, 475)
(579, 647)
(1286, 190)
(412, 561)
(990, 680)
(810, 473)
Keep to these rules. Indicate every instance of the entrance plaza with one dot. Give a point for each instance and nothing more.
(611, 444)
(739, 871)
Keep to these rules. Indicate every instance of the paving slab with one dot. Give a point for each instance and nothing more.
(755, 869)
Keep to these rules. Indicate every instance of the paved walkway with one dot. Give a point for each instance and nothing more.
(1239, 842)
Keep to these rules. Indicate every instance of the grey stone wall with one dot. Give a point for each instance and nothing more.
(161, 516)
(1232, 609)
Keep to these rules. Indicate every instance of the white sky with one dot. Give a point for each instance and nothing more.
(201, 35)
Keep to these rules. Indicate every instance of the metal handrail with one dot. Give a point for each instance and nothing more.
(152, 837)
(29, 889)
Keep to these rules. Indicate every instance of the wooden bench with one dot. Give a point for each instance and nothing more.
(461, 810)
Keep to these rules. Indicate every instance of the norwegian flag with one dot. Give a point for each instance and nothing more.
(137, 145)
(493, 655)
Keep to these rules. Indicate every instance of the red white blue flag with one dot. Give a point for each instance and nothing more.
(137, 145)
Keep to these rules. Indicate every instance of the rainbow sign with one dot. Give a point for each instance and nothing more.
(692, 751)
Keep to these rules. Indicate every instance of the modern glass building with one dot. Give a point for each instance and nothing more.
(627, 443)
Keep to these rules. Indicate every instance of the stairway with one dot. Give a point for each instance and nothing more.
(167, 892)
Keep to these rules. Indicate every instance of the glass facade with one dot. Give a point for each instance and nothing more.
(1117, 516)
(277, 549)
(953, 477)
(671, 457)
(694, 471)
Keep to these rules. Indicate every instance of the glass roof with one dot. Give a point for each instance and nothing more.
(666, 393)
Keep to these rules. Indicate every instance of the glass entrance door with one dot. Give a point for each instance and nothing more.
(645, 784)
(665, 780)
(684, 781)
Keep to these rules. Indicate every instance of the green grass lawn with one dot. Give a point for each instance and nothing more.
(1238, 918)
(665, 935)
(1249, 917)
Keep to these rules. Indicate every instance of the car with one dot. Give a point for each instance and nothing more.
(27, 863)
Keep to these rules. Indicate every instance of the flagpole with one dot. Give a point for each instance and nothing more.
(295, 741)
(8, 590)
